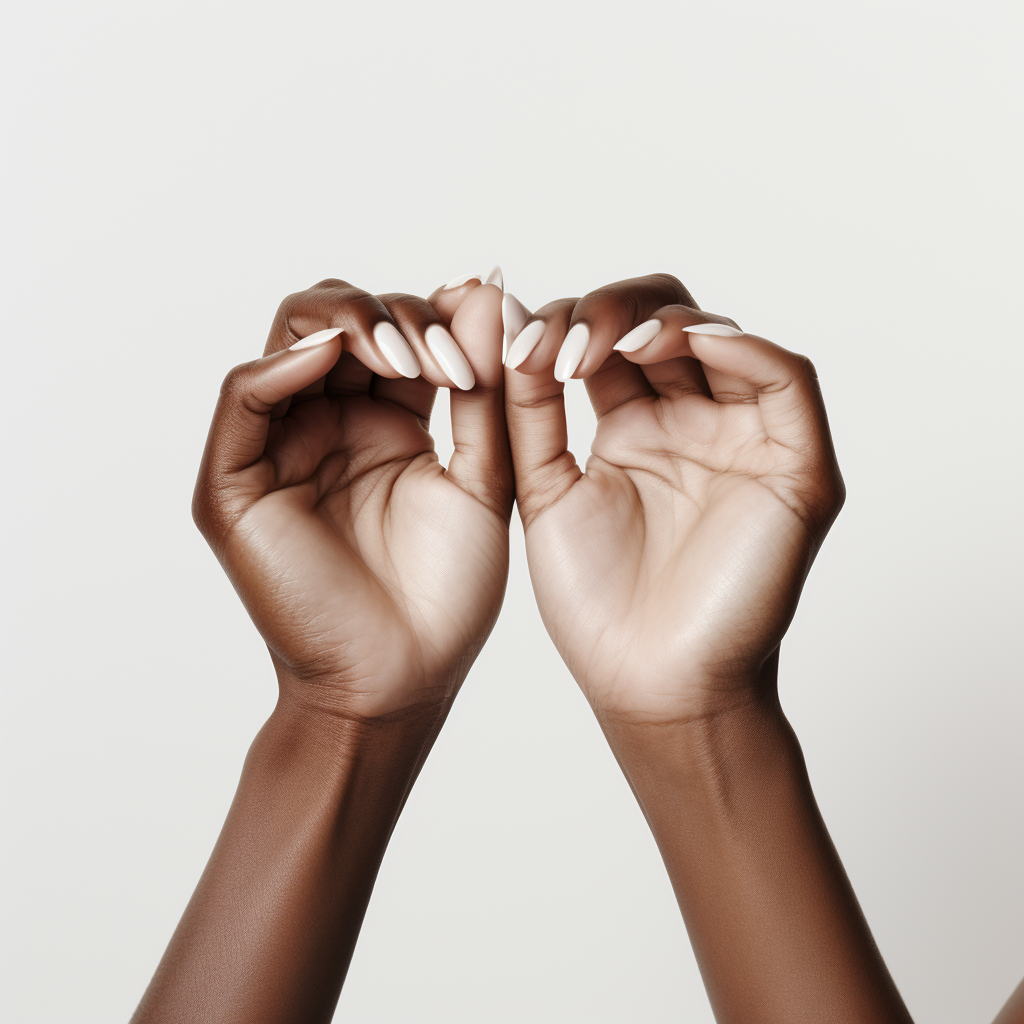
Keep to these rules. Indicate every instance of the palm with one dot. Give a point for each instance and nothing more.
(382, 571)
(669, 552)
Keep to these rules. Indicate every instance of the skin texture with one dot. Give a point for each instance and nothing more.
(374, 575)
(667, 574)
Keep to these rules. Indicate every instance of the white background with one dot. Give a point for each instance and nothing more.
(835, 176)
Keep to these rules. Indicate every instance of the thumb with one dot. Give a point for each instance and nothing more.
(481, 463)
(233, 463)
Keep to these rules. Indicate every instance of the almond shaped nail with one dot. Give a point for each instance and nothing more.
(494, 277)
(458, 282)
(722, 330)
(513, 316)
(395, 349)
(444, 348)
(639, 336)
(571, 354)
(316, 339)
(526, 341)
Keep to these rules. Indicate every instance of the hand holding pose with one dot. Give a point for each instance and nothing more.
(375, 575)
(667, 574)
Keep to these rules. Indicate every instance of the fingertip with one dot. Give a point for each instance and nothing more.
(458, 282)
(525, 342)
(477, 329)
(447, 299)
(573, 349)
(319, 338)
(714, 329)
(450, 357)
(513, 316)
(395, 349)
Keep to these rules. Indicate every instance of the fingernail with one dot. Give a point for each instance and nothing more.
(395, 349)
(513, 316)
(316, 339)
(722, 330)
(639, 336)
(494, 277)
(571, 354)
(458, 282)
(525, 343)
(446, 351)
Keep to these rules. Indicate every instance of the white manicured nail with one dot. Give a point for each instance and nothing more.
(722, 330)
(639, 336)
(316, 339)
(513, 316)
(494, 277)
(525, 343)
(444, 349)
(395, 349)
(458, 282)
(571, 354)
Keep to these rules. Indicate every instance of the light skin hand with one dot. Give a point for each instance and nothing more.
(668, 572)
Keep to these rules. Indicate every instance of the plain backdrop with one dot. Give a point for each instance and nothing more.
(839, 177)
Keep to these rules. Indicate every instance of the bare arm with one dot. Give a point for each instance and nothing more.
(375, 575)
(775, 925)
(667, 574)
(270, 930)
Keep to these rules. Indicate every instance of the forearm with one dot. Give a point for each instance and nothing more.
(774, 923)
(269, 932)
(1013, 1011)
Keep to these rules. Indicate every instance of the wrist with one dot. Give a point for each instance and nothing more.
(729, 743)
(698, 695)
(385, 700)
(343, 754)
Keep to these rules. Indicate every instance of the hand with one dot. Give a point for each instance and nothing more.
(668, 572)
(373, 573)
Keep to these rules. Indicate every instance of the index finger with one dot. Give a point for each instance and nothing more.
(603, 316)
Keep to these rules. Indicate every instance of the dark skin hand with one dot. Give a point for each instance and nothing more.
(375, 576)
(667, 574)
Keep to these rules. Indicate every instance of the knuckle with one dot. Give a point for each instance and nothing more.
(403, 306)
(289, 302)
(602, 303)
(401, 299)
(535, 399)
(321, 306)
(489, 388)
(237, 380)
(670, 280)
